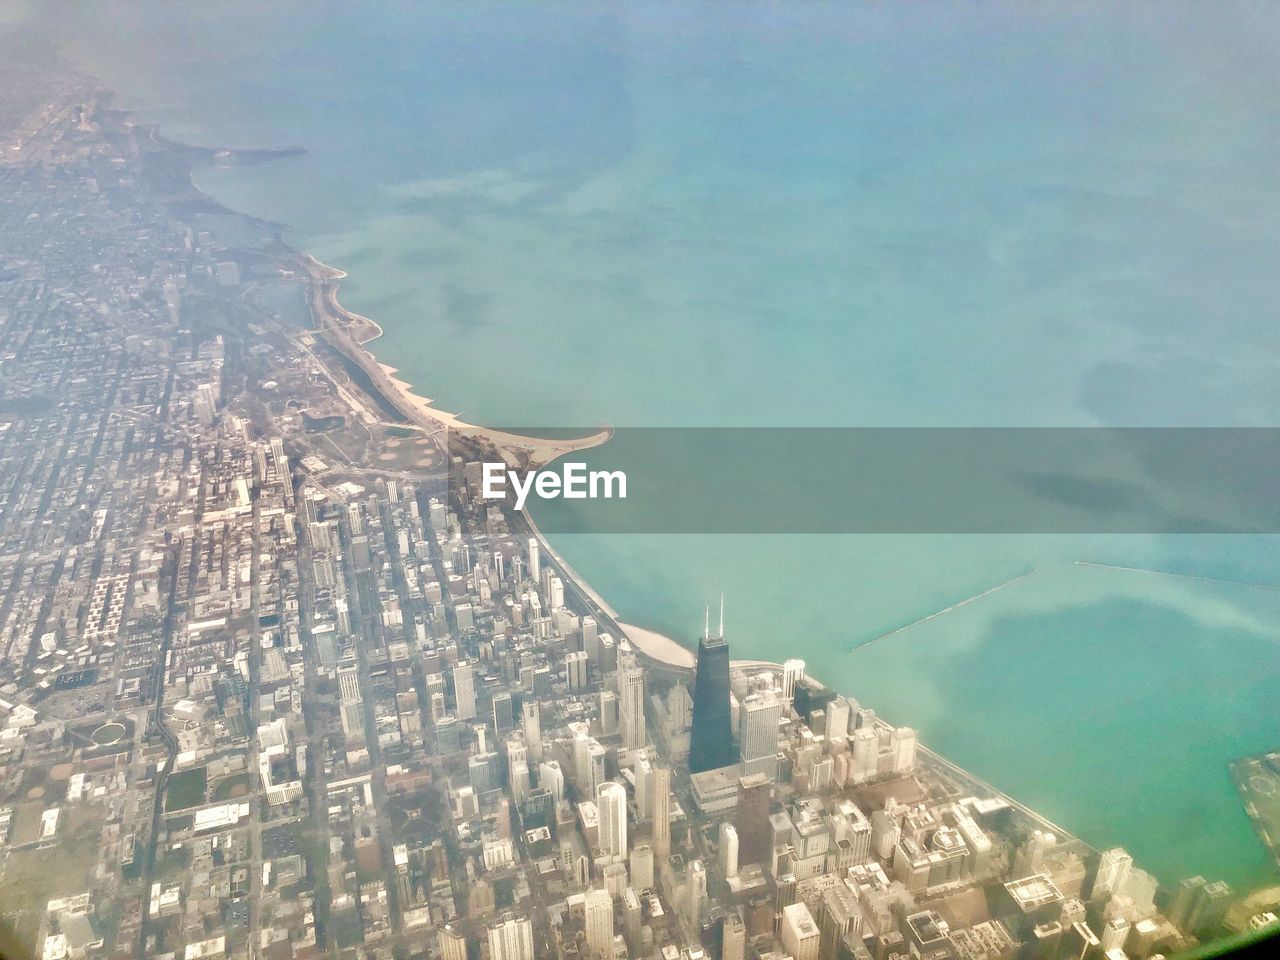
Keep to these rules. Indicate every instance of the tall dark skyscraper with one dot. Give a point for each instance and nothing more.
(711, 742)
(755, 842)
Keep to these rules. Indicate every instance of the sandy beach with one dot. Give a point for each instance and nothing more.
(353, 332)
(517, 449)
(661, 647)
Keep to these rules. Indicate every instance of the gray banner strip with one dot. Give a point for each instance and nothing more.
(918, 480)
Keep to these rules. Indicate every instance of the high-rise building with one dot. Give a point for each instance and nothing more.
(598, 906)
(1210, 906)
(531, 722)
(352, 706)
(453, 945)
(631, 917)
(1113, 870)
(483, 771)
(728, 850)
(511, 938)
(535, 560)
(1030, 857)
(1114, 933)
(448, 736)
(611, 801)
(518, 776)
(349, 684)
(464, 690)
(792, 673)
(864, 749)
(608, 713)
(552, 777)
(800, 935)
(588, 765)
(503, 718)
(1182, 902)
(641, 862)
(643, 770)
(631, 707)
(903, 744)
(436, 515)
(575, 665)
(206, 403)
(838, 720)
(537, 808)
(711, 740)
(695, 875)
(466, 615)
(660, 804)
(733, 937)
(755, 839)
(758, 737)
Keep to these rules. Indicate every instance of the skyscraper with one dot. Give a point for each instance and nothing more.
(1182, 902)
(733, 938)
(464, 690)
(631, 707)
(800, 936)
(792, 673)
(728, 850)
(575, 665)
(535, 560)
(755, 841)
(453, 945)
(711, 741)
(643, 770)
(1113, 871)
(641, 862)
(695, 890)
(599, 924)
(352, 704)
(511, 938)
(761, 713)
(1207, 911)
(660, 804)
(582, 765)
(903, 743)
(612, 804)
(518, 777)
(531, 720)
(552, 777)
(503, 720)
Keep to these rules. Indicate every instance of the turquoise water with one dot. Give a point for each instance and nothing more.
(753, 214)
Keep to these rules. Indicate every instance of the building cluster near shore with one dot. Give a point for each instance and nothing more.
(277, 681)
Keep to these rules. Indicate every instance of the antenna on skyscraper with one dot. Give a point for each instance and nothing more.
(722, 615)
(706, 621)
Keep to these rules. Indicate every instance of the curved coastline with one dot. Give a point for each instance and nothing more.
(351, 333)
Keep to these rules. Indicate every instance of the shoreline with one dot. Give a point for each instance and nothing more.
(350, 333)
